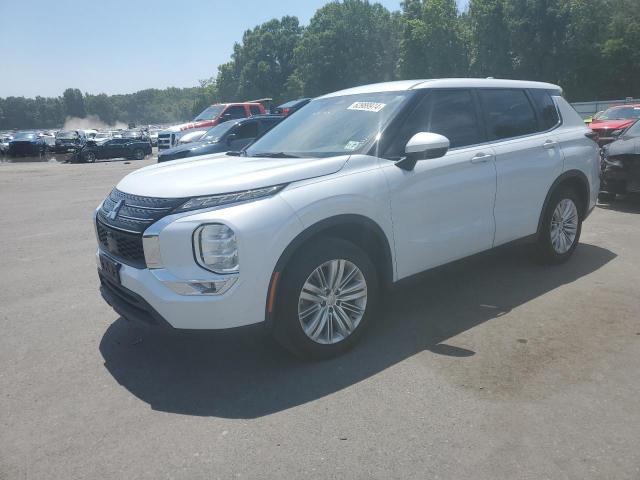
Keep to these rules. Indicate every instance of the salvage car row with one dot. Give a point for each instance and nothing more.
(79, 145)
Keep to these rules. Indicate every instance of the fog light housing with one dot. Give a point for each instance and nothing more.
(215, 248)
(151, 247)
(202, 287)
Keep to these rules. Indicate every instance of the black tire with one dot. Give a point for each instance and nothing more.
(547, 254)
(287, 329)
(138, 154)
(607, 197)
(89, 157)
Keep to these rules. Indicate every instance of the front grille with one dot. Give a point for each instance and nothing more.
(135, 213)
(123, 218)
(122, 245)
(164, 141)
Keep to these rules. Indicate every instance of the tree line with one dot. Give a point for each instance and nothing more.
(589, 47)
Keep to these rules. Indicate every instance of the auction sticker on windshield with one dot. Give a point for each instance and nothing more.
(367, 106)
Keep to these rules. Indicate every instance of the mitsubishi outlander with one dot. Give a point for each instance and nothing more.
(359, 189)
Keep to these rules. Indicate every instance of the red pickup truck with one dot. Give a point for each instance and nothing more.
(613, 121)
(210, 117)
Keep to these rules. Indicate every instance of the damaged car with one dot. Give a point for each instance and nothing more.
(621, 164)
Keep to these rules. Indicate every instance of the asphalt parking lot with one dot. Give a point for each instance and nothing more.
(491, 368)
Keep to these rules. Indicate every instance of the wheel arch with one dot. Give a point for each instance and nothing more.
(575, 179)
(360, 230)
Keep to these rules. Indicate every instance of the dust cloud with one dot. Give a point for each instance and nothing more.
(91, 122)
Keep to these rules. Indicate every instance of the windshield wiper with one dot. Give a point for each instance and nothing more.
(275, 155)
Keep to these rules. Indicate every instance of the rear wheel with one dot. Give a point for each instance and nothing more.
(326, 299)
(89, 157)
(138, 154)
(561, 226)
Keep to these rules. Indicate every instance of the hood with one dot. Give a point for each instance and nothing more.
(611, 124)
(191, 125)
(622, 146)
(204, 147)
(220, 173)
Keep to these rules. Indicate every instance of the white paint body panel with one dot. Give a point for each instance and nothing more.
(442, 210)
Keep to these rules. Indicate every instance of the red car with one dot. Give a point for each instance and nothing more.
(613, 121)
(210, 117)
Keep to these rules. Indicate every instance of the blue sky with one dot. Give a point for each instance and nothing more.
(121, 46)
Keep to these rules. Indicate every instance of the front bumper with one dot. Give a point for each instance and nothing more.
(264, 228)
(129, 305)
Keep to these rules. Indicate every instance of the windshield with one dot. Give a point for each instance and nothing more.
(102, 135)
(131, 134)
(633, 130)
(331, 126)
(216, 133)
(67, 135)
(620, 113)
(25, 136)
(210, 113)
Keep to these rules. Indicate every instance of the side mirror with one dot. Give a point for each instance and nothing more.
(231, 137)
(423, 146)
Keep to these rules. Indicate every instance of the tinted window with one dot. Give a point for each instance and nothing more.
(255, 110)
(451, 113)
(247, 130)
(547, 110)
(236, 111)
(509, 113)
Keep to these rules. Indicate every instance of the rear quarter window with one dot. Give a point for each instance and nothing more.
(547, 111)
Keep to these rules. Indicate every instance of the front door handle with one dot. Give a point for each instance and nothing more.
(481, 157)
(549, 144)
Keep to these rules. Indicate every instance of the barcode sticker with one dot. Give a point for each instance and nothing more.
(367, 106)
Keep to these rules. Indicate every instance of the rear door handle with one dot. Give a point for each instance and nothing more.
(481, 157)
(549, 144)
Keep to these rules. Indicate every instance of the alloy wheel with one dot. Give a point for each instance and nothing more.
(564, 226)
(332, 301)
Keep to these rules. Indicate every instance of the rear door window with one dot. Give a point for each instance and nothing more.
(236, 111)
(508, 113)
(247, 130)
(255, 110)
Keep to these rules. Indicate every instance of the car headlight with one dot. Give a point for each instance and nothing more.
(228, 198)
(215, 248)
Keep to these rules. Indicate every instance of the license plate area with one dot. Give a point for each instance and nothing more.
(110, 268)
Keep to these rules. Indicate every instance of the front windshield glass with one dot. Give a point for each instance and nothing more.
(634, 130)
(25, 136)
(331, 126)
(67, 135)
(210, 113)
(102, 135)
(620, 113)
(216, 133)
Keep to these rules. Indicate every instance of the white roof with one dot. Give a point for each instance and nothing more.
(403, 85)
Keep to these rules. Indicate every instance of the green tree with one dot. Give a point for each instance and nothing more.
(432, 43)
(621, 50)
(489, 39)
(346, 44)
(262, 63)
(74, 103)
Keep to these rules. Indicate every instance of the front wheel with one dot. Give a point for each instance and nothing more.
(326, 299)
(138, 154)
(561, 227)
(89, 157)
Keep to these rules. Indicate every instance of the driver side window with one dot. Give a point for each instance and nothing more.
(451, 113)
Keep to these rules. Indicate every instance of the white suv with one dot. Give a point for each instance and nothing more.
(357, 190)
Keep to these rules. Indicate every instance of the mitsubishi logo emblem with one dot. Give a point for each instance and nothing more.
(114, 211)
